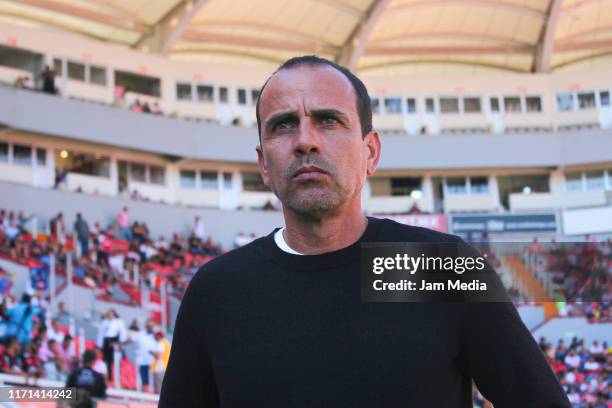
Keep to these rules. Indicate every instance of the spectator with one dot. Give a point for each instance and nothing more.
(123, 222)
(58, 231)
(158, 367)
(82, 232)
(55, 332)
(198, 228)
(9, 359)
(48, 79)
(21, 319)
(148, 349)
(87, 378)
(112, 331)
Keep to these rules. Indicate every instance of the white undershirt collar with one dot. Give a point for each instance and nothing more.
(282, 244)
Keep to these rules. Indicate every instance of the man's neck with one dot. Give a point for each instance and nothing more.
(327, 233)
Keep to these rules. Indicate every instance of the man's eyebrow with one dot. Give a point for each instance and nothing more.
(279, 117)
(329, 112)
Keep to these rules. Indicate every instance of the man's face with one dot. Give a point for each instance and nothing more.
(312, 152)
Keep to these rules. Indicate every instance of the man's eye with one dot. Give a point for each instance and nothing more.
(284, 125)
(330, 121)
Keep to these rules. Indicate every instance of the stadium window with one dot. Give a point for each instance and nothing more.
(227, 180)
(604, 98)
(573, 181)
(251, 181)
(157, 175)
(242, 96)
(586, 100)
(22, 155)
(209, 180)
(534, 104)
(449, 105)
(138, 83)
(494, 101)
(456, 185)
(375, 103)
(410, 105)
(97, 75)
(183, 91)
(565, 101)
(41, 157)
(76, 71)
(430, 106)
(512, 104)
(58, 66)
(187, 178)
(595, 180)
(4, 152)
(223, 95)
(83, 163)
(138, 172)
(205, 93)
(479, 184)
(403, 186)
(471, 105)
(393, 105)
(254, 95)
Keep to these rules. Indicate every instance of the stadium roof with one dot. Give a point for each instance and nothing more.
(514, 35)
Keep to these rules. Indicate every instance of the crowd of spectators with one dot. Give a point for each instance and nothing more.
(584, 370)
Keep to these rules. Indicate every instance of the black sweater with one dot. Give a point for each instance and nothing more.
(259, 327)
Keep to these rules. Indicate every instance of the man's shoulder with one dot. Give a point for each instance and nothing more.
(393, 231)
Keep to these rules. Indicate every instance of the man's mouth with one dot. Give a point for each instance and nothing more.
(309, 172)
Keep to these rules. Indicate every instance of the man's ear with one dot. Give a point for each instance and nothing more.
(263, 169)
(373, 146)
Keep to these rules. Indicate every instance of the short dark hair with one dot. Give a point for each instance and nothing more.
(89, 357)
(364, 108)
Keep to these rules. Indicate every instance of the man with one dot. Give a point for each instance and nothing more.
(88, 379)
(280, 322)
(148, 350)
(123, 222)
(81, 228)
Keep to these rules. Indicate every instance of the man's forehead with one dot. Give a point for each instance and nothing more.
(321, 86)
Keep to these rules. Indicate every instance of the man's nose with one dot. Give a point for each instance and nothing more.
(308, 138)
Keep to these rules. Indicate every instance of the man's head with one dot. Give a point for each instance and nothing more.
(317, 145)
(89, 357)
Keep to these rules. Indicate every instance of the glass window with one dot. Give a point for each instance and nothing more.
(227, 180)
(97, 75)
(393, 105)
(512, 104)
(187, 178)
(410, 105)
(76, 71)
(604, 98)
(205, 93)
(375, 103)
(183, 91)
(403, 186)
(41, 156)
(254, 95)
(209, 180)
(83, 163)
(430, 106)
(449, 105)
(223, 95)
(57, 66)
(242, 96)
(22, 154)
(573, 181)
(138, 172)
(456, 185)
(586, 100)
(471, 105)
(534, 104)
(479, 184)
(595, 180)
(494, 104)
(157, 175)
(4, 151)
(251, 181)
(565, 101)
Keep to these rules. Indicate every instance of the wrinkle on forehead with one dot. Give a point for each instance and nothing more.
(304, 88)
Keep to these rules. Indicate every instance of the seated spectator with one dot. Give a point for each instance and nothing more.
(10, 357)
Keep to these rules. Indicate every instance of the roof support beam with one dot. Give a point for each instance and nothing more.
(466, 3)
(341, 6)
(451, 50)
(169, 29)
(448, 35)
(355, 45)
(546, 43)
(86, 14)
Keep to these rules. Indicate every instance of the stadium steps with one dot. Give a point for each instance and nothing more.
(530, 285)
